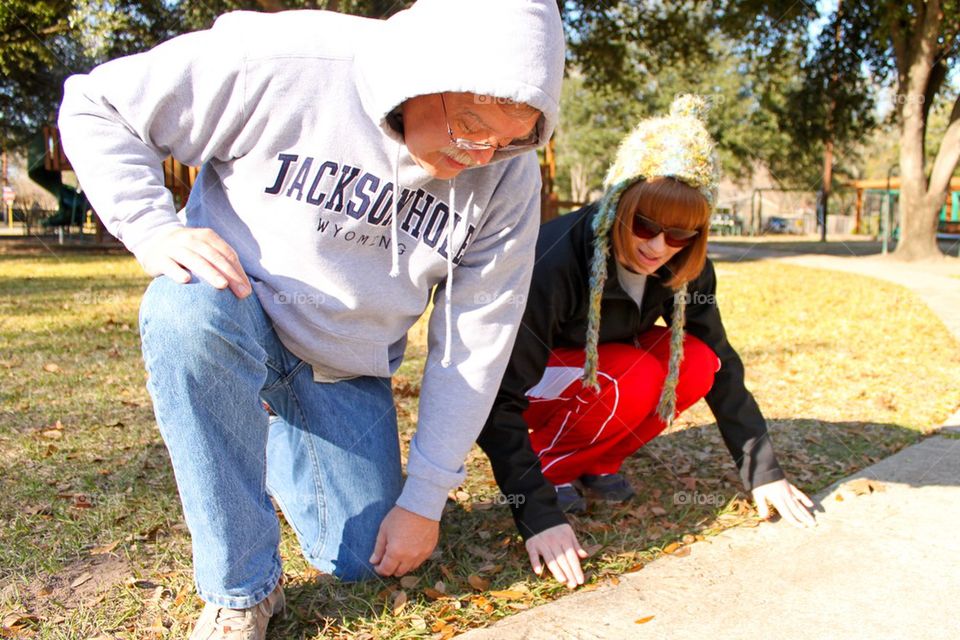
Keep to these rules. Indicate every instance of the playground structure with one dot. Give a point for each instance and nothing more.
(878, 207)
(46, 164)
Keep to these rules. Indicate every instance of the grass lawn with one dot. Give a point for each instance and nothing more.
(846, 369)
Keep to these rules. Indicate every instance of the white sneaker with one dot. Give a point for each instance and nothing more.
(221, 623)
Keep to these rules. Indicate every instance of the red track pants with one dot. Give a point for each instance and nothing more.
(577, 431)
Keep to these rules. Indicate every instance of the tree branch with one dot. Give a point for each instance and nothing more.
(948, 154)
(16, 36)
(272, 6)
(924, 43)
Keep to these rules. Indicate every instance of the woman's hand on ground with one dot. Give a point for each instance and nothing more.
(404, 541)
(201, 252)
(561, 552)
(792, 504)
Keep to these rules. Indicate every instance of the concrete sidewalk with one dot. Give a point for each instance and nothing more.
(879, 565)
(883, 562)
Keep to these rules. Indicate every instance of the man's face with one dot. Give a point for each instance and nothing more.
(471, 117)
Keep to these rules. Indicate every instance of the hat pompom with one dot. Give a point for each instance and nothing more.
(688, 105)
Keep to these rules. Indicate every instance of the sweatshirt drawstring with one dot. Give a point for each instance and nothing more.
(395, 266)
(395, 251)
(448, 305)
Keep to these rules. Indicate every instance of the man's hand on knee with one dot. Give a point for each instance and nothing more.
(404, 541)
(201, 252)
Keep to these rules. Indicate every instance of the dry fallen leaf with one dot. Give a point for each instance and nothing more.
(644, 620)
(482, 603)
(14, 621)
(658, 511)
(399, 602)
(490, 568)
(863, 486)
(418, 623)
(478, 583)
(670, 548)
(52, 434)
(106, 548)
(681, 552)
(51, 367)
(509, 594)
(433, 594)
(409, 582)
(592, 549)
(84, 577)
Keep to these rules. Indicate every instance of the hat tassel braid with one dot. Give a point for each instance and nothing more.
(667, 406)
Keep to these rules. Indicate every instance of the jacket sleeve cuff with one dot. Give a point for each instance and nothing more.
(766, 477)
(529, 527)
(759, 464)
(423, 498)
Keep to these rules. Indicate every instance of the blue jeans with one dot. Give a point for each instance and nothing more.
(330, 458)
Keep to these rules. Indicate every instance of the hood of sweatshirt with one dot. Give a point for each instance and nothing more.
(510, 49)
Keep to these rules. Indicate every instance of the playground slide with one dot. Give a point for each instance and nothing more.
(73, 205)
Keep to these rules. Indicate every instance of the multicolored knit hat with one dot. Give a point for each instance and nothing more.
(676, 146)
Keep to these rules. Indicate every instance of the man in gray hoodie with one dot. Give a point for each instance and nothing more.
(351, 169)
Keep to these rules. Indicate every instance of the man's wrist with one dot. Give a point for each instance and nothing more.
(422, 497)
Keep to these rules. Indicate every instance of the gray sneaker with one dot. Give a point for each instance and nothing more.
(221, 623)
(611, 487)
(570, 501)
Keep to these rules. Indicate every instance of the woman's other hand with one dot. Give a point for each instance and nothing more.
(560, 551)
(792, 504)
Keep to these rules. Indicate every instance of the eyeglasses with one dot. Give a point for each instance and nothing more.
(645, 229)
(463, 144)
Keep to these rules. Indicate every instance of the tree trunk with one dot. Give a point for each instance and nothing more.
(579, 189)
(919, 207)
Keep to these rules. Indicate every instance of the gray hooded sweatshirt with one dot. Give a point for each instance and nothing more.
(292, 118)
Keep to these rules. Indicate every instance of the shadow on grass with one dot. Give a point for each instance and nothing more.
(686, 490)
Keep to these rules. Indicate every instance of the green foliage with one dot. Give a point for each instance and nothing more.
(740, 118)
(742, 56)
(778, 94)
(44, 41)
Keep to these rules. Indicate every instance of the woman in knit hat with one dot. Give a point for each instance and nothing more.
(591, 378)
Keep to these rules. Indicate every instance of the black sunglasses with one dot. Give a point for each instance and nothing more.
(645, 229)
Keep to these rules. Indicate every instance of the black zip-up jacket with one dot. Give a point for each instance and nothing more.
(556, 316)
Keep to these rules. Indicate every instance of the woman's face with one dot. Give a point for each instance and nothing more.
(645, 256)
